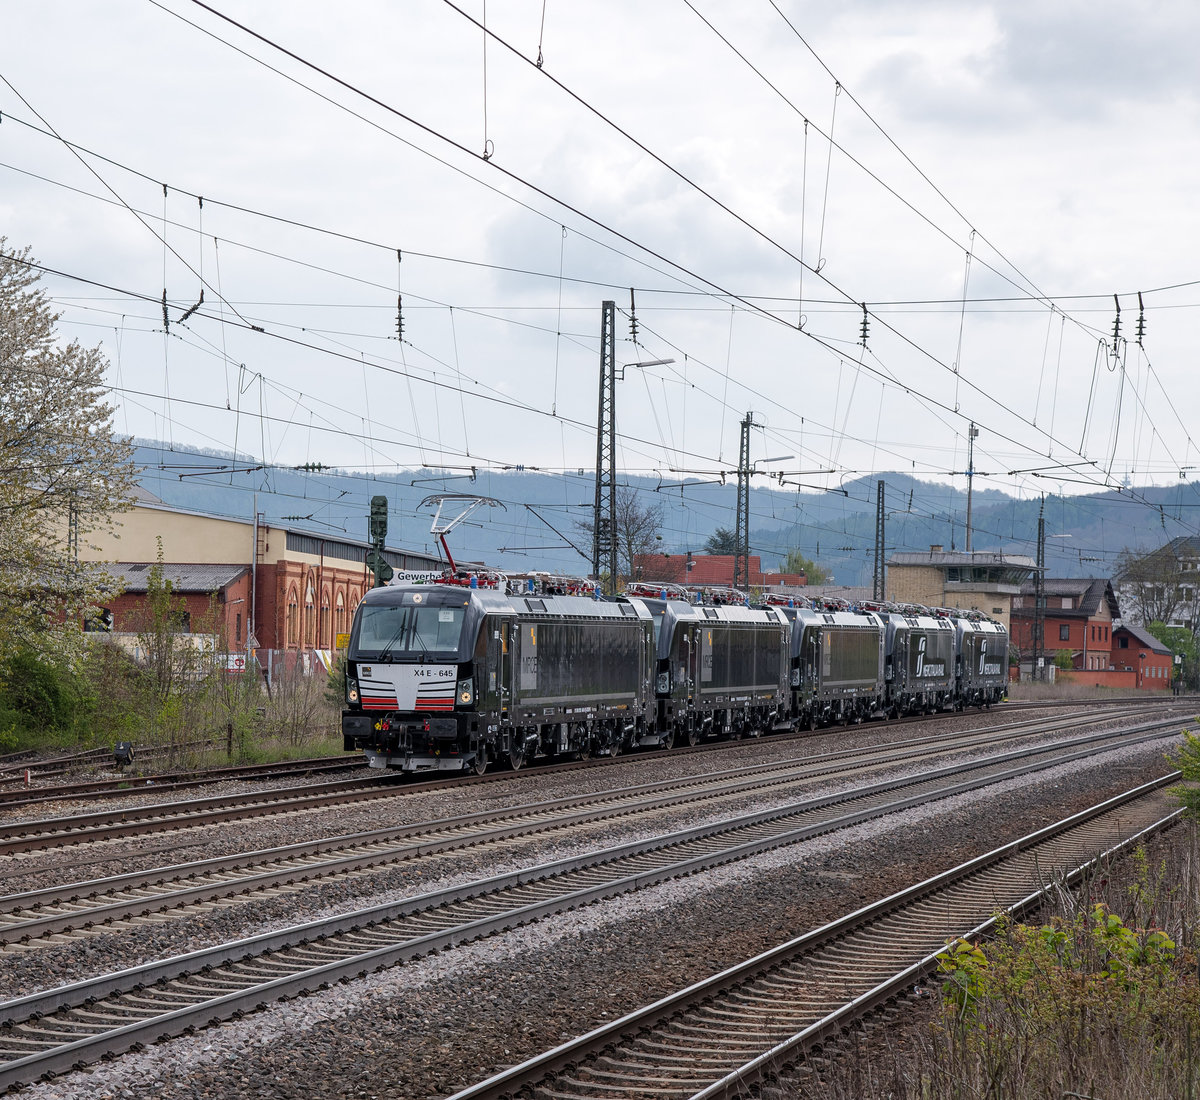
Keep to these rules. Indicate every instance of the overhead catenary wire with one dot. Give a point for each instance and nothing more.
(553, 410)
(538, 190)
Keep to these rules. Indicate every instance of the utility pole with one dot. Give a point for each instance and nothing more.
(604, 530)
(972, 432)
(877, 585)
(741, 554)
(1039, 598)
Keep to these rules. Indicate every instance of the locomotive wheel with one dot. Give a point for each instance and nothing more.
(584, 752)
(480, 763)
(668, 741)
(614, 747)
(516, 757)
(692, 735)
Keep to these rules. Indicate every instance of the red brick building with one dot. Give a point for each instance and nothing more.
(1079, 620)
(273, 588)
(211, 599)
(709, 569)
(1135, 650)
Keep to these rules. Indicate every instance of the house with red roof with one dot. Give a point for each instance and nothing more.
(715, 570)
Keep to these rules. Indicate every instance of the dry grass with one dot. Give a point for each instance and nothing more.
(1027, 691)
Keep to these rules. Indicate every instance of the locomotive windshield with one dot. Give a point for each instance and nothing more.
(406, 632)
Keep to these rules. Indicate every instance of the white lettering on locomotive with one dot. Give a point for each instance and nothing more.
(927, 670)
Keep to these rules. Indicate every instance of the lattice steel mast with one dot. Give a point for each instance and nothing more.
(604, 530)
(741, 554)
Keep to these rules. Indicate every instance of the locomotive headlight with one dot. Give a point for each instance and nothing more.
(466, 691)
(351, 691)
(795, 677)
(662, 684)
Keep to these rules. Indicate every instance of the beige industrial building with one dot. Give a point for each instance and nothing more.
(983, 581)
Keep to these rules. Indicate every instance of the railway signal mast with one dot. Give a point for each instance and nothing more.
(377, 526)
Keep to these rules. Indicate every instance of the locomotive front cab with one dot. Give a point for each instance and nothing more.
(677, 653)
(410, 684)
(983, 661)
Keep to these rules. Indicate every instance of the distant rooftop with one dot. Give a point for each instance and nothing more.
(134, 576)
(935, 555)
(1143, 637)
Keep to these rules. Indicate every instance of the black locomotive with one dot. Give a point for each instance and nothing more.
(476, 669)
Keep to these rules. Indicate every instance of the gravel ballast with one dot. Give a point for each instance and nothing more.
(436, 1024)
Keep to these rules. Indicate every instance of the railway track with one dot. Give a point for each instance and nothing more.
(123, 786)
(32, 835)
(53, 1031)
(24, 836)
(14, 766)
(43, 917)
(721, 1037)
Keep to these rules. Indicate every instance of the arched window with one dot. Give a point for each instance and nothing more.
(339, 614)
(293, 619)
(310, 613)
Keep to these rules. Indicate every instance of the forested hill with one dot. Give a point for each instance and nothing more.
(543, 513)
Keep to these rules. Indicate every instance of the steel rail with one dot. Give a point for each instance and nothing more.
(24, 836)
(49, 911)
(682, 1021)
(123, 786)
(481, 910)
(822, 1031)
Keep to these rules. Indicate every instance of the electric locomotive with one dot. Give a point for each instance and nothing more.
(981, 672)
(837, 661)
(722, 667)
(454, 675)
(921, 659)
(451, 676)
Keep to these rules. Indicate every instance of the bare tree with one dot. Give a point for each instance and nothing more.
(638, 528)
(1161, 586)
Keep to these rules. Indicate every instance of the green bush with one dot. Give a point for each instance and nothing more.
(38, 697)
(1052, 1010)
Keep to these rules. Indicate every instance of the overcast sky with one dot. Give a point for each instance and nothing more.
(998, 173)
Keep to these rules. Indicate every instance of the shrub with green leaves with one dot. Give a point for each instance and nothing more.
(1043, 1005)
(1187, 759)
